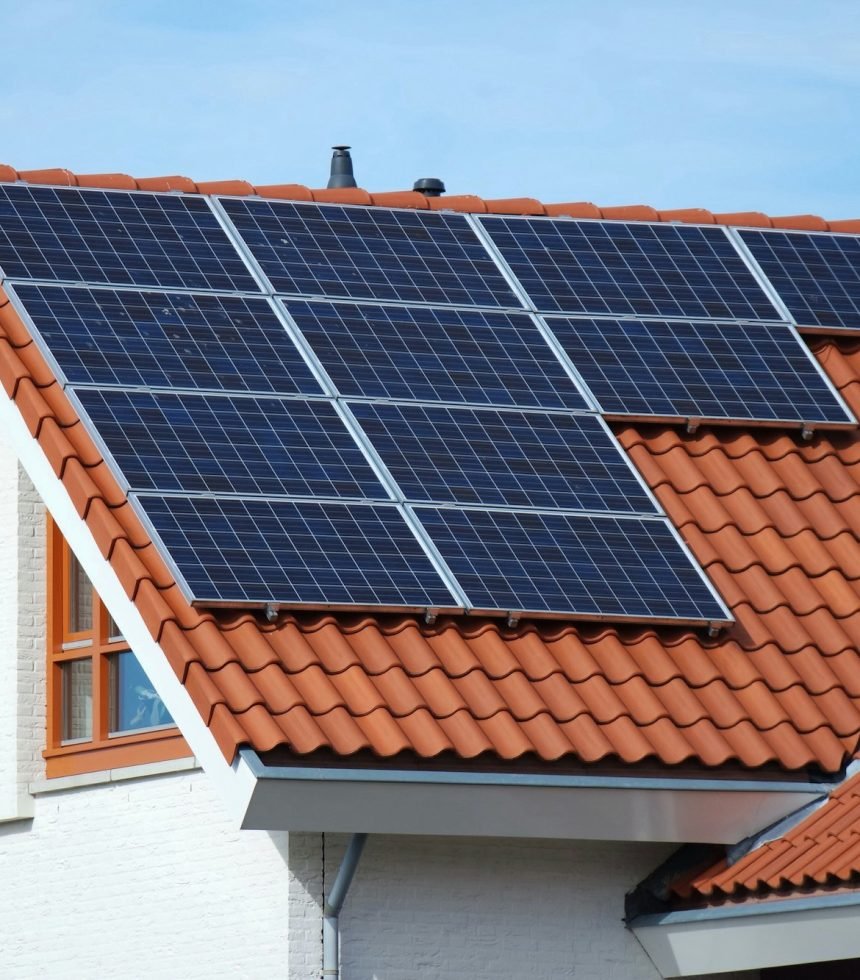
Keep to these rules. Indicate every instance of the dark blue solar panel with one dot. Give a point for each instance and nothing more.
(699, 370)
(369, 253)
(126, 239)
(508, 458)
(166, 340)
(219, 444)
(629, 269)
(422, 354)
(230, 549)
(817, 276)
(570, 564)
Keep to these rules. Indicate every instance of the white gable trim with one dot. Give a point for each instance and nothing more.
(234, 783)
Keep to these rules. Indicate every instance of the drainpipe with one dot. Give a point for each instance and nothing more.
(334, 903)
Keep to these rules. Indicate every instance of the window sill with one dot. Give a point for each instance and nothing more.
(59, 784)
(115, 753)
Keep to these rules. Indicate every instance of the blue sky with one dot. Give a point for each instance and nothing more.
(713, 103)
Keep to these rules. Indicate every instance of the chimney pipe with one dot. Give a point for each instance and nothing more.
(429, 186)
(341, 168)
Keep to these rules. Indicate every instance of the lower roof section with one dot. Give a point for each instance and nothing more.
(512, 804)
(752, 935)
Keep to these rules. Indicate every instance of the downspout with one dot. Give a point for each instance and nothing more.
(334, 903)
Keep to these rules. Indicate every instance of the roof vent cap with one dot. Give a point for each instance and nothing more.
(341, 168)
(429, 186)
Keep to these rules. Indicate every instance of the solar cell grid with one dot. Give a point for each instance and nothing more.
(118, 237)
(424, 354)
(219, 444)
(629, 269)
(509, 458)
(250, 550)
(570, 564)
(817, 276)
(698, 370)
(166, 340)
(369, 253)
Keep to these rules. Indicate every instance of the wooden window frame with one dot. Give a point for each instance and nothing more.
(104, 751)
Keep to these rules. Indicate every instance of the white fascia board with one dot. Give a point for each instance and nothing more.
(515, 805)
(752, 936)
(232, 782)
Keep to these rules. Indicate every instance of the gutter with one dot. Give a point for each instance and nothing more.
(746, 910)
(548, 805)
(579, 781)
(334, 903)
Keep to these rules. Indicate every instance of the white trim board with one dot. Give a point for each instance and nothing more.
(752, 936)
(228, 779)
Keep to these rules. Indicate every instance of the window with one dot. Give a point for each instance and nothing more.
(103, 712)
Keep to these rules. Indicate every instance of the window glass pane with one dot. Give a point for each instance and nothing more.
(134, 703)
(77, 700)
(80, 598)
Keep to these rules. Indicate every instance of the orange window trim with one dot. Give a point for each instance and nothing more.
(103, 751)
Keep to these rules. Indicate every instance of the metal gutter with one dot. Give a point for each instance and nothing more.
(815, 903)
(304, 774)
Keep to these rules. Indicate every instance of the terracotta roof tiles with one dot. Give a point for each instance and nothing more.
(412, 199)
(821, 850)
(773, 519)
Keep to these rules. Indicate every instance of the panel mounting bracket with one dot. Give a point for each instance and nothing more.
(271, 611)
(513, 619)
(714, 630)
(806, 432)
(430, 616)
(692, 426)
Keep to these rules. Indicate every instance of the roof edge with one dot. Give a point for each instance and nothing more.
(471, 203)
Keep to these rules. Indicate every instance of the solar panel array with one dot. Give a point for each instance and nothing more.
(817, 276)
(344, 406)
(702, 370)
(369, 253)
(634, 269)
(169, 241)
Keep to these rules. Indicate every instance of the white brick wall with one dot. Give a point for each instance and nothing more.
(148, 879)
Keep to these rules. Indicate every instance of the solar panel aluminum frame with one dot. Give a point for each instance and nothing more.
(513, 616)
(805, 426)
(312, 363)
(322, 375)
(802, 328)
(272, 609)
(511, 276)
(128, 488)
(268, 287)
(394, 487)
(209, 200)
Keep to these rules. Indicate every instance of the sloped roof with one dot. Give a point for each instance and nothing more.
(821, 851)
(774, 520)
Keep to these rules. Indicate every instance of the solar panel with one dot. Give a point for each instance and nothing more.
(237, 550)
(570, 564)
(369, 253)
(423, 354)
(162, 240)
(817, 276)
(629, 269)
(220, 444)
(166, 340)
(508, 458)
(698, 370)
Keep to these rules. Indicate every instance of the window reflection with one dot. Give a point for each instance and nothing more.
(134, 704)
(80, 598)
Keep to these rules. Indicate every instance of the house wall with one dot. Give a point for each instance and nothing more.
(148, 878)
